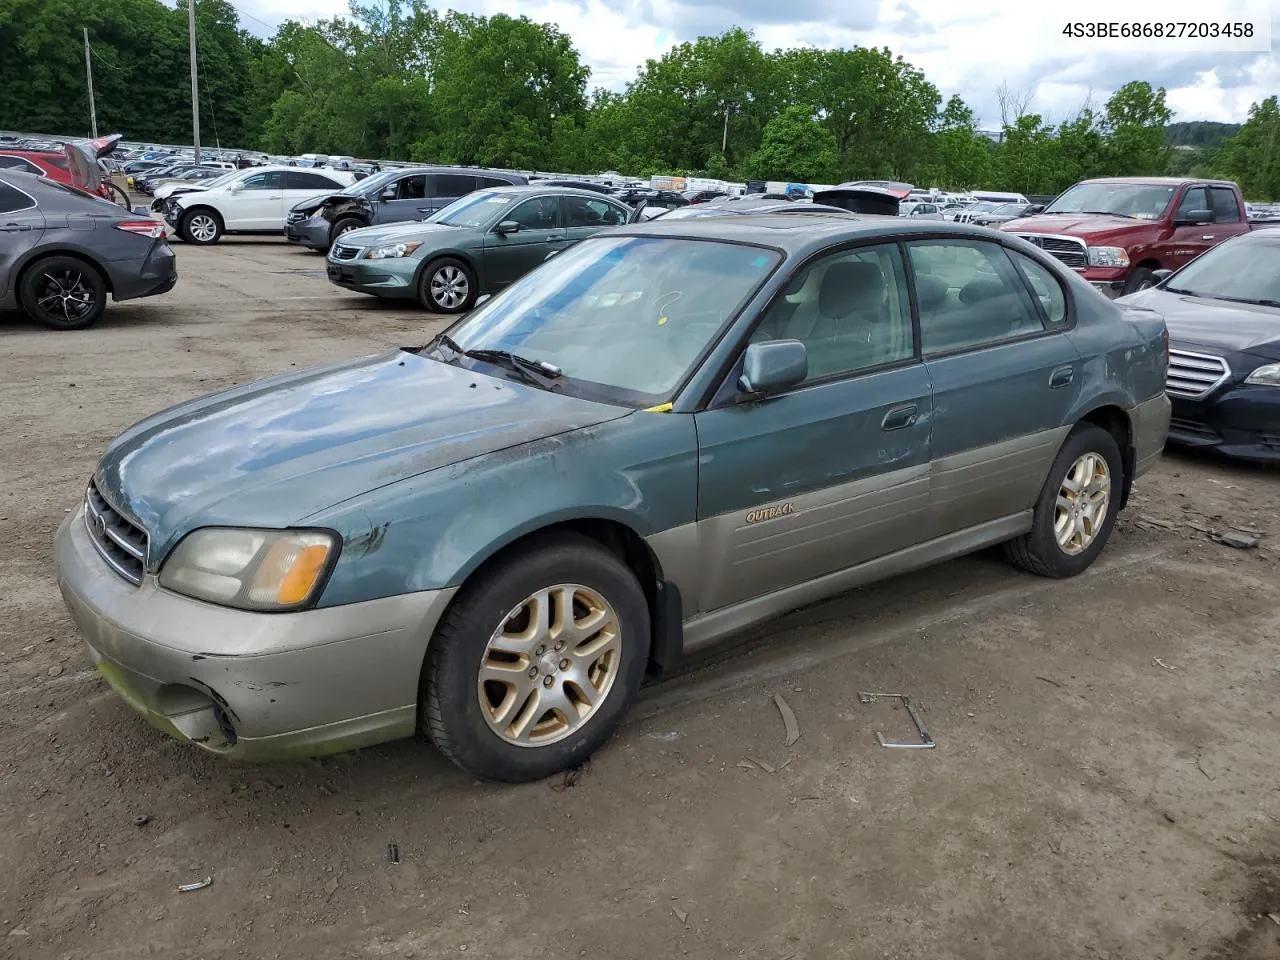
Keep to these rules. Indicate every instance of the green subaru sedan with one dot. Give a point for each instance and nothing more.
(478, 244)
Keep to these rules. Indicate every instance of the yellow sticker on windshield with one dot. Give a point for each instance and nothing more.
(662, 321)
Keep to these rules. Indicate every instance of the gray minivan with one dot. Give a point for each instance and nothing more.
(387, 197)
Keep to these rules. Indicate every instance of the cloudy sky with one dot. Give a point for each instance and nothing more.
(964, 46)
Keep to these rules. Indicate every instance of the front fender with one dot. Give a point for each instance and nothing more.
(433, 530)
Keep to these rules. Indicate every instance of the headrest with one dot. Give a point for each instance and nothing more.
(930, 290)
(975, 291)
(848, 285)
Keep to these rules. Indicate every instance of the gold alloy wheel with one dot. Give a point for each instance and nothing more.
(1083, 501)
(550, 665)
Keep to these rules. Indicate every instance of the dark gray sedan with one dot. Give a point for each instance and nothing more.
(64, 251)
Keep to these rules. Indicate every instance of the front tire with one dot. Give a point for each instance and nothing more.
(63, 293)
(536, 661)
(345, 225)
(1140, 278)
(1077, 508)
(201, 226)
(447, 286)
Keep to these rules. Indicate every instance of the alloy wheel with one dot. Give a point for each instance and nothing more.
(550, 665)
(1083, 501)
(449, 287)
(203, 227)
(64, 294)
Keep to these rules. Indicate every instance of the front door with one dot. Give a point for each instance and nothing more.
(836, 471)
(409, 203)
(259, 204)
(1005, 376)
(509, 256)
(21, 225)
(1190, 239)
(583, 216)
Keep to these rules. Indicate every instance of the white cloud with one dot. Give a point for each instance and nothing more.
(966, 48)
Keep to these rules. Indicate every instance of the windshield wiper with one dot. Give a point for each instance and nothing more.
(443, 339)
(1109, 213)
(1217, 296)
(538, 372)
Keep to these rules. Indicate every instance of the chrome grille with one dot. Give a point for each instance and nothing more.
(341, 252)
(120, 541)
(1069, 250)
(1194, 375)
(295, 216)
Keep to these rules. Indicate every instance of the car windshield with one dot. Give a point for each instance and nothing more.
(475, 209)
(1009, 208)
(1243, 270)
(623, 318)
(1141, 201)
(371, 184)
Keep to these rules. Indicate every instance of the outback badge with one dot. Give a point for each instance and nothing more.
(768, 513)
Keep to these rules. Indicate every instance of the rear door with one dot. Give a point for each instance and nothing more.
(509, 257)
(1228, 219)
(21, 225)
(1005, 376)
(444, 188)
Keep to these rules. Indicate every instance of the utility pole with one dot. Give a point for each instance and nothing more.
(88, 70)
(195, 83)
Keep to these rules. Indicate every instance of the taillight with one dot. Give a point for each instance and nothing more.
(143, 228)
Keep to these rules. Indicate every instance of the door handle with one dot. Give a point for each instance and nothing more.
(1207, 236)
(425, 210)
(1061, 377)
(899, 417)
(554, 239)
(14, 227)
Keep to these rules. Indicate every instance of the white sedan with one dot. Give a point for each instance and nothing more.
(247, 201)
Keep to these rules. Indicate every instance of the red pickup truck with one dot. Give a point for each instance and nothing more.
(1116, 232)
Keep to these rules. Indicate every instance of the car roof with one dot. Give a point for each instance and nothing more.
(1161, 181)
(533, 189)
(796, 234)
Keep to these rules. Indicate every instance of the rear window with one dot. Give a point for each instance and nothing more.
(452, 184)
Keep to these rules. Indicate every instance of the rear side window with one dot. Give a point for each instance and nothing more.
(1045, 286)
(590, 212)
(487, 183)
(454, 184)
(1225, 208)
(970, 295)
(12, 199)
(302, 180)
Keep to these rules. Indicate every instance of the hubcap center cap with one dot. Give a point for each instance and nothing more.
(549, 664)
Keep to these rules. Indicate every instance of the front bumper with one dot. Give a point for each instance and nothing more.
(252, 686)
(1241, 421)
(312, 233)
(395, 278)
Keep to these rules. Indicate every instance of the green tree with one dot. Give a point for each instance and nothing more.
(960, 157)
(795, 146)
(1252, 156)
(1134, 121)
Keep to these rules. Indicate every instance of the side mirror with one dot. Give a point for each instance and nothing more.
(507, 226)
(1160, 276)
(773, 366)
(1194, 217)
(235, 188)
(387, 195)
(1034, 209)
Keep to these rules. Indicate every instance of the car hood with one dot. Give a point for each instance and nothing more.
(173, 190)
(396, 232)
(275, 452)
(1217, 324)
(322, 198)
(1075, 224)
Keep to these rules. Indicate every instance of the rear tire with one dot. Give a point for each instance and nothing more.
(201, 226)
(447, 285)
(1077, 507)
(571, 677)
(63, 293)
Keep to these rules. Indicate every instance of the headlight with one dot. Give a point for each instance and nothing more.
(1108, 257)
(250, 569)
(1268, 376)
(392, 250)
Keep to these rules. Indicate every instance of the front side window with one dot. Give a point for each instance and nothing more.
(540, 213)
(263, 181)
(412, 188)
(849, 309)
(1194, 203)
(969, 295)
(624, 318)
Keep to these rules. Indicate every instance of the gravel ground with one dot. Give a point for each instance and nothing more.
(1104, 785)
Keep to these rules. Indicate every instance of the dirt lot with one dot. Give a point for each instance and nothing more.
(1105, 783)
